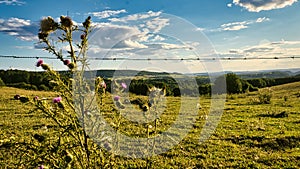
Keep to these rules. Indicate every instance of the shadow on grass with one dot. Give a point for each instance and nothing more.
(268, 143)
(275, 115)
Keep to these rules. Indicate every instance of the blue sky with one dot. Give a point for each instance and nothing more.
(162, 29)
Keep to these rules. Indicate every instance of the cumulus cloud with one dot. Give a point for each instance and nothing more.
(129, 32)
(107, 35)
(20, 28)
(130, 44)
(271, 49)
(11, 2)
(135, 17)
(260, 5)
(107, 13)
(234, 26)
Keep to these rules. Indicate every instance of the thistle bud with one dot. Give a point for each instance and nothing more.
(71, 65)
(66, 22)
(45, 67)
(48, 25)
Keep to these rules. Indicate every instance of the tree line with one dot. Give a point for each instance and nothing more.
(234, 84)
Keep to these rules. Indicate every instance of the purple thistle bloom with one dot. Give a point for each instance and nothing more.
(67, 62)
(39, 63)
(116, 98)
(36, 98)
(124, 85)
(41, 167)
(57, 99)
(103, 84)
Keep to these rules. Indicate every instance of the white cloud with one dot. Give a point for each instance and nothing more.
(272, 49)
(156, 24)
(12, 2)
(17, 22)
(264, 19)
(107, 35)
(173, 46)
(135, 17)
(200, 29)
(260, 5)
(130, 44)
(107, 13)
(234, 26)
(229, 5)
(22, 29)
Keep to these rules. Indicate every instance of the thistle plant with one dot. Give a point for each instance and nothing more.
(70, 147)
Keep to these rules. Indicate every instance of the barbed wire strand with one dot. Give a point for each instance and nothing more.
(159, 59)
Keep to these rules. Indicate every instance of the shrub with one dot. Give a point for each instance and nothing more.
(265, 96)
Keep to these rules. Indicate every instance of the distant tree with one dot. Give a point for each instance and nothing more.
(233, 83)
(260, 83)
(1, 83)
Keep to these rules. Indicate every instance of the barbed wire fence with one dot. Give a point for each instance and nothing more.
(157, 59)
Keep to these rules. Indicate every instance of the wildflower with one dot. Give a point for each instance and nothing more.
(67, 62)
(17, 97)
(87, 22)
(57, 99)
(36, 98)
(45, 67)
(124, 85)
(103, 84)
(41, 167)
(116, 98)
(39, 63)
(82, 36)
(42, 35)
(48, 25)
(66, 22)
(71, 65)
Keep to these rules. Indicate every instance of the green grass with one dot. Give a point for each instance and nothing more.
(249, 135)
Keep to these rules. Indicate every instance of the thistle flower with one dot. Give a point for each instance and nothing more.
(57, 99)
(66, 22)
(124, 86)
(48, 25)
(82, 36)
(116, 98)
(42, 35)
(39, 63)
(17, 97)
(36, 98)
(45, 66)
(103, 84)
(41, 167)
(67, 62)
(87, 22)
(71, 65)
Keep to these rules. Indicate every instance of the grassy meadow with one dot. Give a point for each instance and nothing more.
(251, 134)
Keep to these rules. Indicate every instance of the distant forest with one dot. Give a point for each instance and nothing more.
(144, 80)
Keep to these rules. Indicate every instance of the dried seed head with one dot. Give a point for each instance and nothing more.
(66, 22)
(48, 25)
